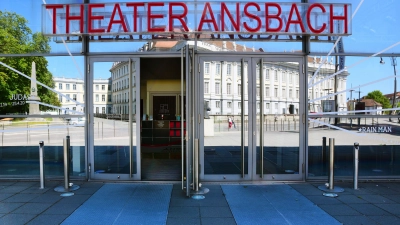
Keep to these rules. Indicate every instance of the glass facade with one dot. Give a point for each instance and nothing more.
(309, 89)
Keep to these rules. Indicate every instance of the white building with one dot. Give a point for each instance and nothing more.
(74, 98)
(222, 82)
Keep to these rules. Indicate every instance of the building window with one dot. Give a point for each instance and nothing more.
(267, 91)
(290, 93)
(68, 97)
(97, 110)
(276, 107)
(97, 87)
(60, 97)
(103, 98)
(97, 98)
(103, 87)
(109, 98)
(239, 70)
(284, 93)
(297, 93)
(239, 105)
(206, 87)
(239, 89)
(228, 89)
(283, 77)
(207, 68)
(103, 110)
(258, 92)
(109, 87)
(67, 86)
(218, 69)
(258, 105)
(60, 86)
(275, 75)
(266, 74)
(257, 72)
(267, 105)
(74, 97)
(228, 69)
(217, 88)
(229, 105)
(276, 92)
(290, 78)
(74, 87)
(74, 108)
(218, 104)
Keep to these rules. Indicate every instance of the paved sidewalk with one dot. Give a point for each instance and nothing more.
(22, 202)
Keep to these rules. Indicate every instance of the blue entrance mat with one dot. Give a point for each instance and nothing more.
(124, 204)
(273, 204)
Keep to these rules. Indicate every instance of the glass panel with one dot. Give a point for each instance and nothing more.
(281, 117)
(19, 151)
(354, 106)
(161, 122)
(369, 34)
(37, 104)
(111, 117)
(222, 125)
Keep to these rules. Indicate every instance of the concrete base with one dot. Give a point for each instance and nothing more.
(62, 188)
(209, 127)
(334, 190)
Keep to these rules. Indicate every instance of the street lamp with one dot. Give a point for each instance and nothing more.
(394, 64)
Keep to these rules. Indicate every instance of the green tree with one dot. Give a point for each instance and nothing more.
(379, 97)
(17, 38)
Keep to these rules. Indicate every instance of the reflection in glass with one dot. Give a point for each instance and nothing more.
(343, 107)
(111, 117)
(222, 128)
(281, 117)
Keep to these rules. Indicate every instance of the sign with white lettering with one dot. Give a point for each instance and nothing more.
(16, 99)
(375, 129)
(200, 20)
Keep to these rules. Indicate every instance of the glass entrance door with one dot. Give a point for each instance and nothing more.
(278, 126)
(251, 118)
(113, 119)
(224, 107)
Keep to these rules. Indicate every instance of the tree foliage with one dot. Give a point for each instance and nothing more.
(379, 97)
(17, 38)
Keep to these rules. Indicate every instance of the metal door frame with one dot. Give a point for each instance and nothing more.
(252, 61)
(90, 114)
(302, 111)
(246, 63)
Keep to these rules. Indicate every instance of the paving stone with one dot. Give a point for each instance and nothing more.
(356, 220)
(48, 219)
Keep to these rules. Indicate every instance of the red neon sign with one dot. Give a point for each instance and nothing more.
(226, 18)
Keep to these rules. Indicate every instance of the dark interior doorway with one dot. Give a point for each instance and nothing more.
(161, 158)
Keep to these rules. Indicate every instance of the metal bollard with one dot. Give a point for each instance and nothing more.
(66, 162)
(328, 187)
(331, 162)
(355, 178)
(41, 163)
(196, 165)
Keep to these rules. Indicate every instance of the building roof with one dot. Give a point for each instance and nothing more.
(389, 96)
(370, 102)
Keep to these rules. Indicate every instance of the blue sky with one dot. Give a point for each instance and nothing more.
(372, 31)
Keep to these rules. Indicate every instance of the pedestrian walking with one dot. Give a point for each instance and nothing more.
(233, 122)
